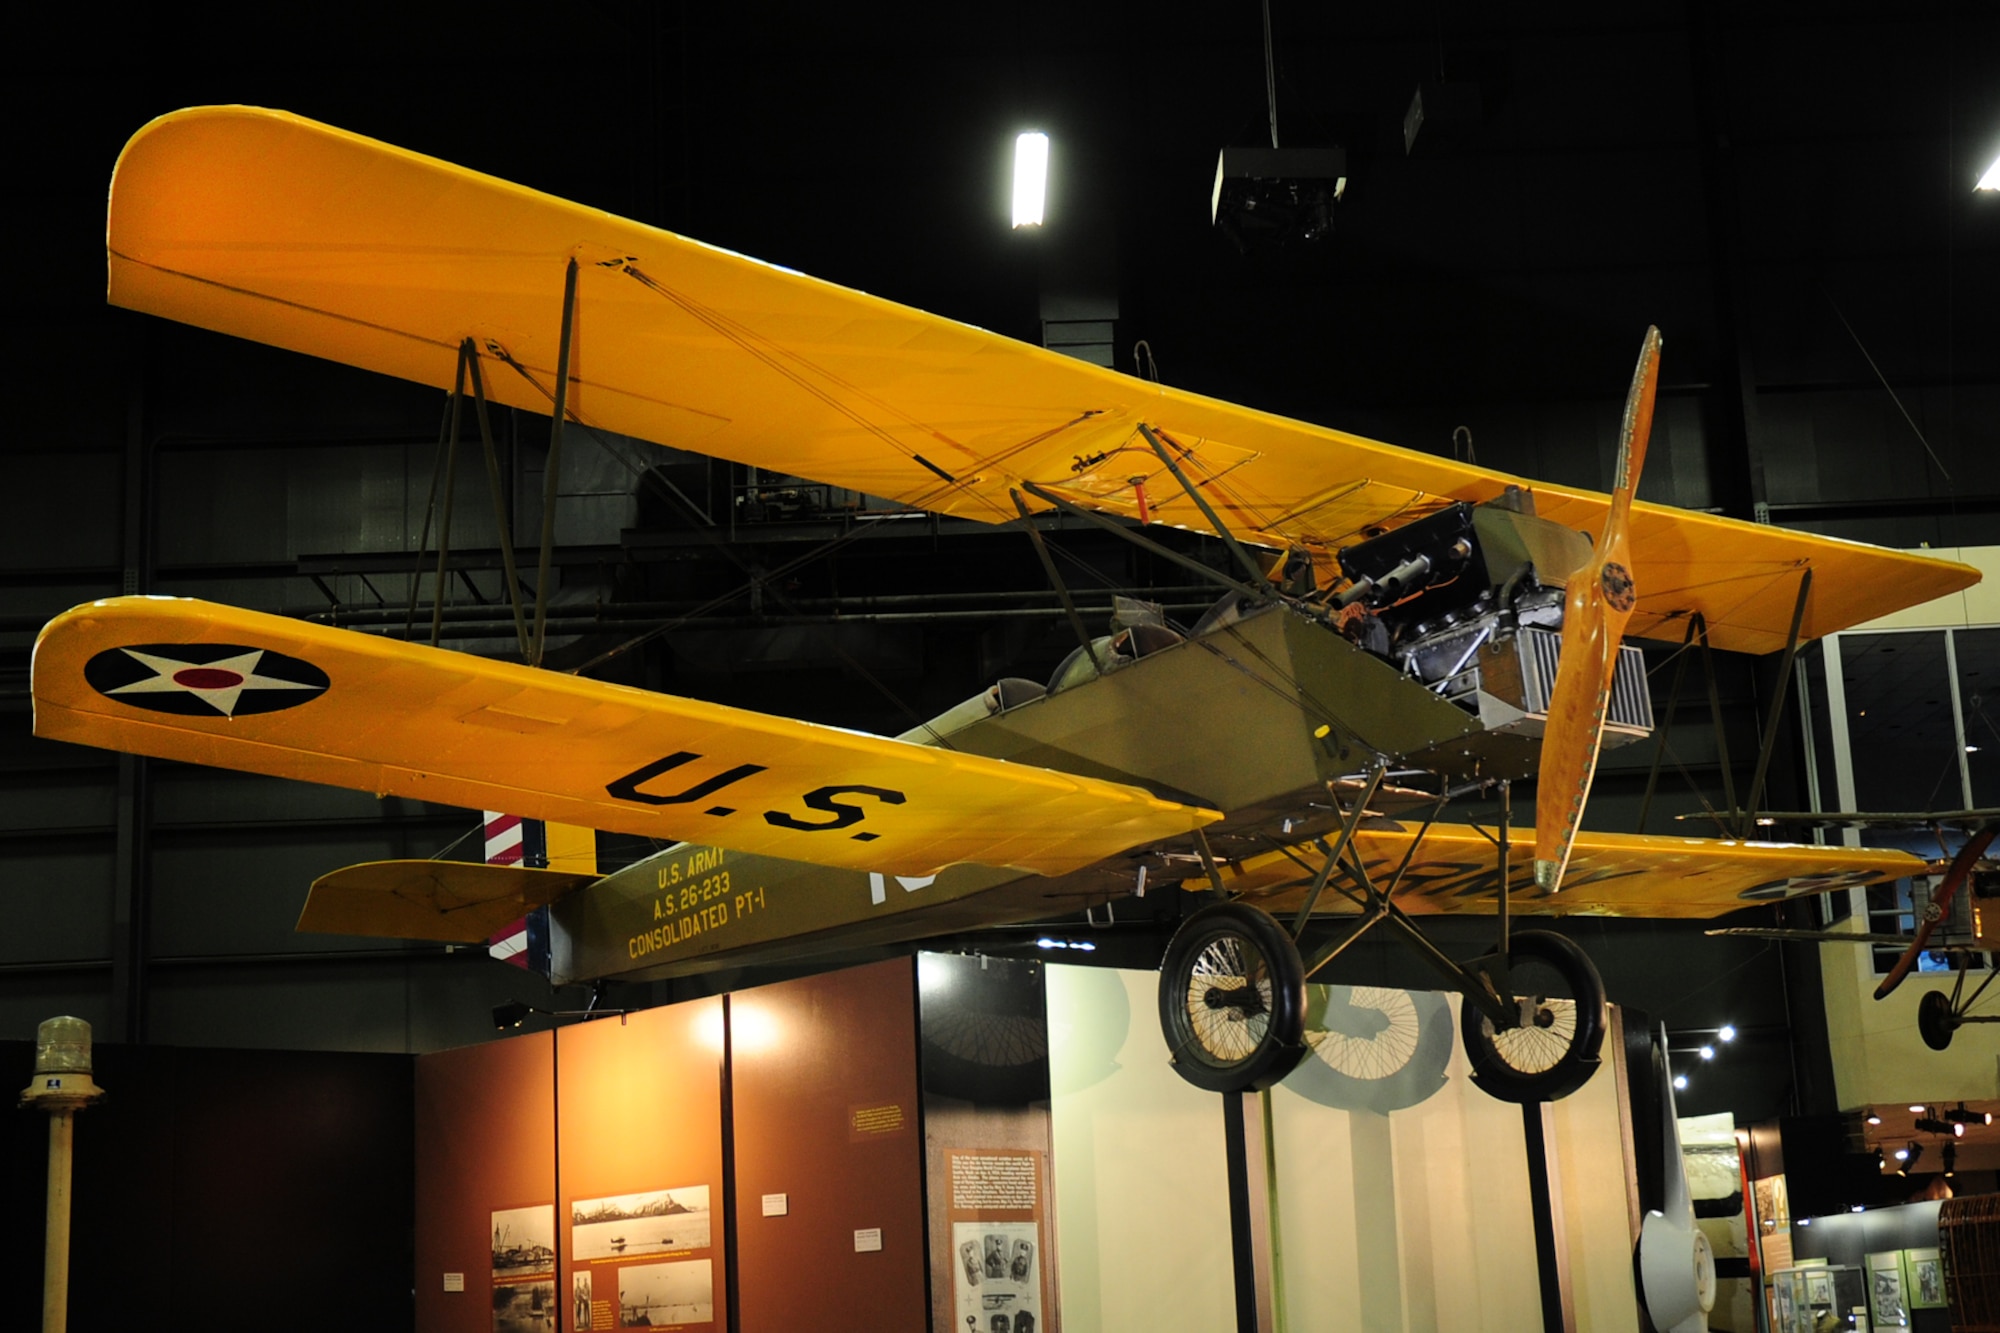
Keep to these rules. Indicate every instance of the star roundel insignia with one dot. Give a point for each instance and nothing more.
(204, 679)
(1617, 582)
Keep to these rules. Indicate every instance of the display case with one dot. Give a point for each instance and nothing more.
(1819, 1298)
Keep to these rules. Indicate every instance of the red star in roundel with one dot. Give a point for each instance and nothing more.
(204, 680)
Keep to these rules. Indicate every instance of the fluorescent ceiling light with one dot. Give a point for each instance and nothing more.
(1991, 180)
(1031, 178)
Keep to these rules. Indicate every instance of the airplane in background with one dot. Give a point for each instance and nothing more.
(1957, 899)
(1394, 630)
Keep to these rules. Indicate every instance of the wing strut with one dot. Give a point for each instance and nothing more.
(469, 358)
(1667, 726)
(1055, 579)
(1777, 712)
(1188, 563)
(444, 477)
(443, 466)
(550, 478)
(1257, 578)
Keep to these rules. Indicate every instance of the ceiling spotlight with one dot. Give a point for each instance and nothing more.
(1903, 1154)
(1930, 1124)
(1991, 180)
(1920, 1108)
(1950, 1160)
(1959, 1115)
(1805, 1221)
(1857, 1208)
(1031, 178)
(1910, 1156)
(1708, 1052)
(1874, 1119)
(1680, 1082)
(1727, 1032)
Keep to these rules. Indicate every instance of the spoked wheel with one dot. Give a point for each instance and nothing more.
(1232, 1000)
(1935, 1020)
(1552, 1050)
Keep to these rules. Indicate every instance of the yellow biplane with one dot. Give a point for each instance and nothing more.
(1395, 629)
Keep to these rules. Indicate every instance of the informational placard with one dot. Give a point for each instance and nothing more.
(640, 1260)
(997, 1237)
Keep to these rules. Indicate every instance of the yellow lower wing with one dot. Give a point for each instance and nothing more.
(211, 684)
(1610, 874)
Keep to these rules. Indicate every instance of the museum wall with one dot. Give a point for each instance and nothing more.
(485, 1176)
(269, 1188)
(824, 1112)
(599, 1172)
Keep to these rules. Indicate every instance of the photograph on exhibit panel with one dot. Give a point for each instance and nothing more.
(524, 1242)
(620, 1226)
(580, 1301)
(1925, 1290)
(525, 1307)
(664, 1294)
(997, 1280)
(1885, 1290)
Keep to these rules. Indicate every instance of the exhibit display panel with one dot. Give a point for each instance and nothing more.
(983, 1061)
(639, 1149)
(828, 1152)
(1588, 1146)
(1141, 1179)
(486, 1187)
(1399, 1192)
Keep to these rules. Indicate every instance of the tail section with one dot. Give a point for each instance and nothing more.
(536, 845)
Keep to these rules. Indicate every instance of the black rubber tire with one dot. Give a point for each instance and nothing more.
(1233, 1000)
(1935, 1021)
(1547, 1062)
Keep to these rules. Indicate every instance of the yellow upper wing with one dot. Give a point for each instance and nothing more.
(276, 228)
(239, 689)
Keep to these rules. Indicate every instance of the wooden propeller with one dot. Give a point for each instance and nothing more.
(1601, 598)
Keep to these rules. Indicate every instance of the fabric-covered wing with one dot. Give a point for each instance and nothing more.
(276, 228)
(210, 684)
(1611, 874)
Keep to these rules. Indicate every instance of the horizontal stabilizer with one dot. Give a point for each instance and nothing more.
(454, 902)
